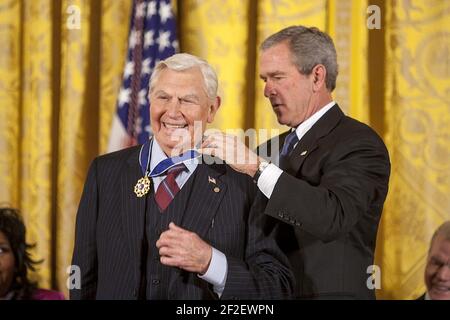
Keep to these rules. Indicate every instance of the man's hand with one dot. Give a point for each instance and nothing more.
(184, 249)
(233, 151)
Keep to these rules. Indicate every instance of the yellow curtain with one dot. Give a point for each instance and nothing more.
(56, 103)
(26, 97)
(346, 22)
(272, 17)
(59, 83)
(418, 117)
(227, 53)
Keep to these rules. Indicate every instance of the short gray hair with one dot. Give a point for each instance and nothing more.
(184, 61)
(309, 47)
(444, 230)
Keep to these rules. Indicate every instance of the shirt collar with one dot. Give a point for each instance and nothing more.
(308, 123)
(158, 155)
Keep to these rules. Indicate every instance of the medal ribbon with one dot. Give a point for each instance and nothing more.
(164, 165)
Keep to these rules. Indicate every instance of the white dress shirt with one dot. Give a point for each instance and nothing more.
(270, 175)
(218, 267)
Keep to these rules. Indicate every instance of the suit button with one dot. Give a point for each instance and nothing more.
(155, 282)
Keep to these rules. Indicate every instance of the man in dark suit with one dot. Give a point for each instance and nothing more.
(155, 222)
(328, 182)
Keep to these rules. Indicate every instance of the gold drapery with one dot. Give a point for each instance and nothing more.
(59, 81)
(58, 87)
(417, 133)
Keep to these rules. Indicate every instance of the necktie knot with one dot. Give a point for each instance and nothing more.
(176, 169)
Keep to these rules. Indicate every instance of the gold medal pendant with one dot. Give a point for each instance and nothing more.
(142, 187)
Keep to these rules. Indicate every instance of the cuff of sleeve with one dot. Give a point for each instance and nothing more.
(268, 179)
(217, 271)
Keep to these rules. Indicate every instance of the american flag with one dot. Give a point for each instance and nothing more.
(152, 38)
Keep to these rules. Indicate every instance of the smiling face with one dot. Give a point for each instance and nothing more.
(177, 100)
(7, 265)
(437, 272)
(289, 91)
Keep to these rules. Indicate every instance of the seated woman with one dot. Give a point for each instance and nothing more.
(15, 262)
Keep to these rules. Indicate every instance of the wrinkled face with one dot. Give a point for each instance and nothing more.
(288, 90)
(7, 265)
(177, 100)
(437, 272)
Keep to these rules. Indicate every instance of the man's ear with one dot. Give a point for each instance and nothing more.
(213, 107)
(319, 73)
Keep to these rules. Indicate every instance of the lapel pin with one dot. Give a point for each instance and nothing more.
(211, 180)
(304, 153)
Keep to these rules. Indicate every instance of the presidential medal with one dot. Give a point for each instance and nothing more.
(142, 187)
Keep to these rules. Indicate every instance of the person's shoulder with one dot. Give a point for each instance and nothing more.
(44, 294)
(352, 124)
(356, 130)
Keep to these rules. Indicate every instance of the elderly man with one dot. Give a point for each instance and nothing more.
(155, 222)
(328, 182)
(437, 271)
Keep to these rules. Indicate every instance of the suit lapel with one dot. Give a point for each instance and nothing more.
(133, 212)
(207, 192)
(309, 141)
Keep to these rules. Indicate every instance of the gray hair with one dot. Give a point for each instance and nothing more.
(444, 230)
(309, 47)
(184, 61)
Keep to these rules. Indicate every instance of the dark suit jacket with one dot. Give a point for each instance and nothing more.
(110, 224)
(330, 198)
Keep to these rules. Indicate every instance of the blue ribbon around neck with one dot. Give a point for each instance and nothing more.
(164, 165)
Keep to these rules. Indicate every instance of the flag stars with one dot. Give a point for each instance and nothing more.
(175, 45)
(138, 125)
(163, 40)
(148, 39)
(142, 97)
(148, 128)
(146, 66)
(165, 12)
(151, 10)
(140, 9)
(129, 69)
(124, 96)
(135, 38)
